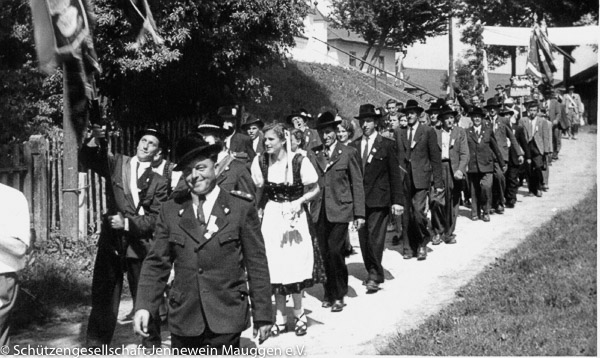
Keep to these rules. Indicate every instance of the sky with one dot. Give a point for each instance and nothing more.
(433, 54)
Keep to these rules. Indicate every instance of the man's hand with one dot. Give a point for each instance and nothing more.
(359, 223)
(521, 159)
(504, 168)
(397, 209)
(117, 222)
(140, 322)
(263, 330)
(528, 161)
(458, 175)
(439, 190)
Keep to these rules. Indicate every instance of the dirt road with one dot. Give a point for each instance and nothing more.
(413, 290)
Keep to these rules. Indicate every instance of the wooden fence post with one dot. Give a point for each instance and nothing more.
(39, 152)
(83, 205)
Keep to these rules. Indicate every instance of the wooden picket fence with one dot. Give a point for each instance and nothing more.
(35, 168)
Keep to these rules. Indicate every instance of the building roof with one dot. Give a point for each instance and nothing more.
(348, 36)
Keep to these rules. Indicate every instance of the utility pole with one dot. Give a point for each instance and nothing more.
(450, 60)
(69, 220)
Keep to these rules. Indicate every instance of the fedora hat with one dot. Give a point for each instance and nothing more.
(412, 104)
(327, 119)
(446, 109)
(571, 87)
(252, 119)
(499, 86)
(211, 125)
(529, 101)
(191, 147)
(302, 113)
(229, 112)
(368, 111)
(476, 111)
(162, 139)
(435, 106)
(492, 102)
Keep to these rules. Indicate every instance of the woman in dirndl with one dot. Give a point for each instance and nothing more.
(288, 181)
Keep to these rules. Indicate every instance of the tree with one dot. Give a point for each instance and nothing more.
(209, 49)
(391, 23)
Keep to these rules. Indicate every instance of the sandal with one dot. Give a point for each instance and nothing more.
(278, 329)
(300, 326)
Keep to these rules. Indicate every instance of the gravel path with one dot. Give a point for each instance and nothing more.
(414, 290)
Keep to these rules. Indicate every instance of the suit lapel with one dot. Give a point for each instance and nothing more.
(221, 211)
(438, 133)
(222, 167)
(334, 155)
(189, 223)
(126, 177)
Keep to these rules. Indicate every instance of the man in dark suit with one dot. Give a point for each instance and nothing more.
(238, 144)
(133, 203)
(342, 200)
(483, 150)
(298, 119)
(554, 110)
(514, 159)
(383, 189)
(213, 240)
(420, 157)
(540, 146)
(253, 128)
(452, 141)
(505, 140)
(232, 173)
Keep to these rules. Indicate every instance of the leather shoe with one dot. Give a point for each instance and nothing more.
(510, 205)
(486, 217)
(474, 217)
(500, 209)
(338, 306)
(539, 194)
(436, 239)
(422, 253)
(372, 286)
(326, 304)
(450, 240)
(407, 256)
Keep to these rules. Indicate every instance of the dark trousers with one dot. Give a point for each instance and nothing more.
(332, 242)
(372, 241)
(107, 284)
(535, 176)
(9, 286)
(512, 183)
(556, 139)
(415, 216)
(208, 341)
(498, 186)
(443, 217)
(481, 193)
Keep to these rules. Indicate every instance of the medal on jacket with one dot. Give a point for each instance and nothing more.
(211, 227)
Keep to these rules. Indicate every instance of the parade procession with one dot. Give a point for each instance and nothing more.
(232, 207)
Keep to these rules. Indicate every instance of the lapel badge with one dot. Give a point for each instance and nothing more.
(180, 212)
(226, 210)
(374, 150)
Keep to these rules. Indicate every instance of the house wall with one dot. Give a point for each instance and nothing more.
(308, 49)
(360, 49)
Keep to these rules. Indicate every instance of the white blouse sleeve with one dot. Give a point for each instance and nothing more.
(308, 174)
(256, 173)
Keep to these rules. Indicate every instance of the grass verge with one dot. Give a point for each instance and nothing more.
(539, 299)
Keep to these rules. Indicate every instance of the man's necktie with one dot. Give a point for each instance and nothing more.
(201, 218)
(365, 153)
(410, 136)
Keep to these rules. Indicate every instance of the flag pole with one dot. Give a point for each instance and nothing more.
(69, 220)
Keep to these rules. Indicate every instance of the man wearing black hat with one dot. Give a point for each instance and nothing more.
(434, 111)
(238, 144)
(342, 200)
(505, 140)
(452, 141)
(420, 156)
(232, 174)
(500, 95)
(213, 240)
(298, 119)
(515, 161)
(383, 189)
(133, 203)
(540, 145)
(253, 128)
(483, 151)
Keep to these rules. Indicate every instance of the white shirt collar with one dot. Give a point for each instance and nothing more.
(209, 203)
